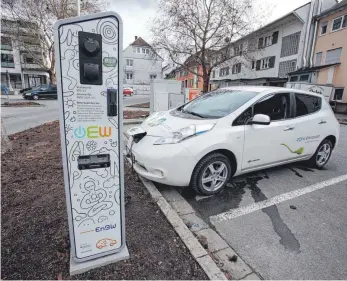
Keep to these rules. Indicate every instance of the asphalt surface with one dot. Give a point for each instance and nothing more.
(302, 236)
(17, 119)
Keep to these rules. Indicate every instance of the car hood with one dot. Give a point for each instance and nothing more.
(163, 124)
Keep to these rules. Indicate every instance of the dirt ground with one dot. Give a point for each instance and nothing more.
(35, 243)
(21, 104)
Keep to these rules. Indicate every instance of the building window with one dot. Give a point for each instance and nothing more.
(338, 94)
(7, 60)
(340, 22)
(27, 59)
(138, 50)
(213, 74)
(333, 56)
(265, 63)
(224, 71)
(147, 51)
(294, 78)
(6, 43)
(238, 50)
(304, 77)
(268, 40)
(130, 62)
(286, 67)
(143, 50)
(153, 76)
(323, 28)
(236, 68)
(253, 64)
(191, 82)
(318, 59)
(290, 44)
(129, 76)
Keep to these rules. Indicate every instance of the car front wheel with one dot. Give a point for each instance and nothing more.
(322, 154)
(35, 97)
(211, 174)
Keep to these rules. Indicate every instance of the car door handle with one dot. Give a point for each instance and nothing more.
(322, 122)
(289, 129)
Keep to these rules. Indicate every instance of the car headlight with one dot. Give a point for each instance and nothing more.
(185, 133)
(28, 94)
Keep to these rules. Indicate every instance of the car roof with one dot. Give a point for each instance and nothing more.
(257, 89)
(269, 89)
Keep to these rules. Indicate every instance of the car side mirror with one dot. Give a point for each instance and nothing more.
(260, 119)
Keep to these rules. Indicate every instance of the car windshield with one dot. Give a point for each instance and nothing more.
(218, 104)
(44, 87)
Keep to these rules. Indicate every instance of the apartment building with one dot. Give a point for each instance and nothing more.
(267, 55)
(327, 72)
(18, 67)
(141, 65)
(189, 79)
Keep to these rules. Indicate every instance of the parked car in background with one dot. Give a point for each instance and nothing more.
(25, 90)
(46, 91)
(233, 131)
(128, 91)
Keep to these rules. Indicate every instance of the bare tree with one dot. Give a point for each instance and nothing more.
(29, 24)
(202, 32)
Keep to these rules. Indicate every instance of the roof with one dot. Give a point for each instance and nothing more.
(257, 89)
(261, 89)
(140, 42)
(334, 8)
(290, 14)
(312, 69)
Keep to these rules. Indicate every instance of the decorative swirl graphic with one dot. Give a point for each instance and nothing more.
(108, 30)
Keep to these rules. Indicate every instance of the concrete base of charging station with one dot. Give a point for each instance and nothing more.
(81, 267)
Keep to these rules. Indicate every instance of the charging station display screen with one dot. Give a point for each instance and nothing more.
(89, 53)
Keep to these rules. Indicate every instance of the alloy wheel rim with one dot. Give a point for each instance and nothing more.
(214, 176)
(323, 154)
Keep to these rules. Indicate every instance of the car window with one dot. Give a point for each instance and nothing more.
(276, 106)
(218, 104)
(44, 87)
(307, 104)
(243, 117)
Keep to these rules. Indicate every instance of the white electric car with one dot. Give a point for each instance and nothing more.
(232, 131)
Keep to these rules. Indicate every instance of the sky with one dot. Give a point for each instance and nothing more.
(137, 14)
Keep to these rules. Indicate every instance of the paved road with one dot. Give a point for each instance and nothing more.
(22, 118)
(277, 231)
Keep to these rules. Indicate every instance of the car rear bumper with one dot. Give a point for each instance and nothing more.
(169, 164)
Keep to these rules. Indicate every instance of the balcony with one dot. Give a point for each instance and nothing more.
(32, 66)
(7, 64)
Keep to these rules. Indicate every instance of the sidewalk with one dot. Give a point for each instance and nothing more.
(35, 243)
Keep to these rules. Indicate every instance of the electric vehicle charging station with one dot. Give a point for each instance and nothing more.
(89, 80)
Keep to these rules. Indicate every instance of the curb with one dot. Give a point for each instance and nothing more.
(132, 121)
(197, 251)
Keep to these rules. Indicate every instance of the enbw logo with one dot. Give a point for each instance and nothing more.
(106, 227)
(93, 132)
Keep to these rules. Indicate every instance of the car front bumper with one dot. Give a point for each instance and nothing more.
(169, 164)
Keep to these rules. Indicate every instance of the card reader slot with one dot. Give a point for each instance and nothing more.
(86, 162)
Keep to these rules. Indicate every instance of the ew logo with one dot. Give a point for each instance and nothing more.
(93, 132)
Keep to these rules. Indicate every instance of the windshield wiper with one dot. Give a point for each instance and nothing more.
(193, 113)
